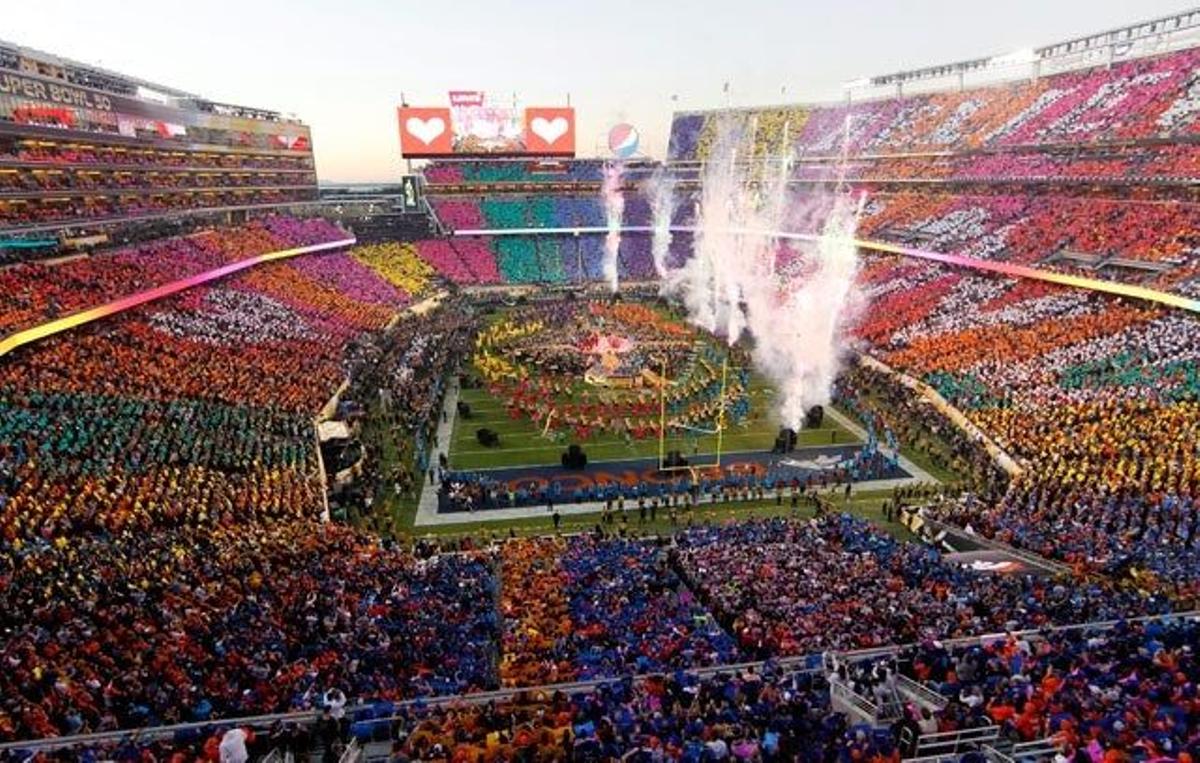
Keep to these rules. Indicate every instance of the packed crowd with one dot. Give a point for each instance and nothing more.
(160, 559)
(454, 172)
(85, 207)
(1041, 230)
(1132, 238)
(1086, 171)
(17, 182)
(1129, 690)
(167, 508)
(162, 495)
(534, 259)
(466, 261)
(33, 293)
(216, 471)
(770, 714)
(764, 714)
(588, 607)
(784, 587)
(43, 151)
(1097, 397)
(160, 627)
(1128, 100)
(215, 431)
(399, 265)
(1109, 165)
(566, 609)
(1135, 239)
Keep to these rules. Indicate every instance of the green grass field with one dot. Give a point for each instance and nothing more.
(522, 443)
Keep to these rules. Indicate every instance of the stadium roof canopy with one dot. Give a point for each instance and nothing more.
(1117, 42)
(68, 63)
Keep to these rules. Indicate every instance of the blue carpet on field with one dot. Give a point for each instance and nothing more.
(574, 486)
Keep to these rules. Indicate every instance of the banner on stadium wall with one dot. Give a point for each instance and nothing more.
(28, 98)
(470, 127)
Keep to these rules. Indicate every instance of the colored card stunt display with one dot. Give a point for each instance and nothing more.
(863, 431)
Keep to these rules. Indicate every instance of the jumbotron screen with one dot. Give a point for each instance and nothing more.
(471, 127)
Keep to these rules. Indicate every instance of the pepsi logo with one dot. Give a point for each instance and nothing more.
(623, 140)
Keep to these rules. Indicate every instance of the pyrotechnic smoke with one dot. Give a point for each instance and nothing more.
(739, 280)
(614, 210)
(661, 191)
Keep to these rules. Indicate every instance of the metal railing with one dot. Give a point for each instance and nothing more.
(352, 754)
(800, 664)
(921, 693)
(1023, 752)
(156, 733)
(954, 742)
(842, 695)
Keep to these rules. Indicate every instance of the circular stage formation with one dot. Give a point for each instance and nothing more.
(581, 369)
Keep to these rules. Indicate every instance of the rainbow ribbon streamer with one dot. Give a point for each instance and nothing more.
(1022, 271)
(36, 333)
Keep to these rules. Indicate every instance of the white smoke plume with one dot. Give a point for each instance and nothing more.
(614, 211)
(660, 189)
(793, 298)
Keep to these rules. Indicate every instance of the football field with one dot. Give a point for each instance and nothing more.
(522, 442)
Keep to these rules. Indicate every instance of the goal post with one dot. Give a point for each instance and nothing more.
(719, 430)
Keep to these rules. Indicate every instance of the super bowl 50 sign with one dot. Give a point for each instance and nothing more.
(479, 130)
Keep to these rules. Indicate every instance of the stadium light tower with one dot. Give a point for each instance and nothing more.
(855, 84)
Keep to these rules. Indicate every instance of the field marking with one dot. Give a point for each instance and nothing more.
(917, 472)
(525, 421)
(427, 506)
(653, 457)
(729, 431)
(484, 459)
(616, 444)
(706, 439)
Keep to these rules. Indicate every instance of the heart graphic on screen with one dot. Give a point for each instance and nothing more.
(425, 130)
(549, 130)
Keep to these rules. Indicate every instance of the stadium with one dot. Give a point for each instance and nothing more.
(865, 430)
